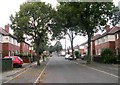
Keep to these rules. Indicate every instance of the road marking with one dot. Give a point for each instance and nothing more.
(16, 76)
(41, 73)
(98, 70)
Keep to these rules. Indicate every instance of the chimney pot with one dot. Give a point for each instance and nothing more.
(7, 28)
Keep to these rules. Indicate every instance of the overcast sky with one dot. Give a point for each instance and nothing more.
(8, 7)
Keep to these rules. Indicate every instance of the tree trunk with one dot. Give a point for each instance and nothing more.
(72, 46)
(38, 60)
(38, 56)
(89, 49)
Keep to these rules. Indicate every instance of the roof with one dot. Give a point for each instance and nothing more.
(112, 31)
(2, 31)
(84, 43)
(5, 33)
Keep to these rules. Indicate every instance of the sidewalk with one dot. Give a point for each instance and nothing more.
(24, 75)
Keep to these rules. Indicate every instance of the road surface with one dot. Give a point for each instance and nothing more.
(60, 70)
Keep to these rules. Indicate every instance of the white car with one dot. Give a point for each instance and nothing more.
(67, 56)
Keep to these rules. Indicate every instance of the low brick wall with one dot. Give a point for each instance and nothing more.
(26, 59)
(6, 64)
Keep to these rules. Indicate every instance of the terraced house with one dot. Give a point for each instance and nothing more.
(1, 39)
(10, 46)
(109, 39)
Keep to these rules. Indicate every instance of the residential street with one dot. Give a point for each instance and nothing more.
(59, 70)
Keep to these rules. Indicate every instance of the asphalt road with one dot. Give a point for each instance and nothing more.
(60, 70)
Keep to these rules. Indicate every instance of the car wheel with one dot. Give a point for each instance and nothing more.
(16, 65)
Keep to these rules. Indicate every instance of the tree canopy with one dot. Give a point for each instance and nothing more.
(83, 18)
(32, 20)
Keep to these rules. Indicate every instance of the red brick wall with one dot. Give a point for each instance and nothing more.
(0, 46)
(81, 51)
(9, 47)
(117, 41)
(23, 48)
(26, 60)
(110, 44)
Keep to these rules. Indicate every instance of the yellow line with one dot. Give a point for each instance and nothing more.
(41, 73)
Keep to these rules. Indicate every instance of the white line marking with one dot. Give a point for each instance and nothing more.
(99, 70)
(15, 76)
(41, 73)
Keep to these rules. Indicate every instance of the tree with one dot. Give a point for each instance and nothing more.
(84, 18)
(64, 23)
(32, 20)
(58, 47)
(51, 49)
(91, 17)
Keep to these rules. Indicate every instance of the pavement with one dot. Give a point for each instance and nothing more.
(27, 74)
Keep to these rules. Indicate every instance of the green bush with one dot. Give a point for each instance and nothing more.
(108, 56)
(22, 55)
(77, 54)
(118, 58)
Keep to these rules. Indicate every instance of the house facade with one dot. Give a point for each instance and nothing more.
(10, 46)
(1, 39)
(117, 40)
(109, 39)
(24, 48)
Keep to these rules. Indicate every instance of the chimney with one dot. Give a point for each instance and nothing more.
(7, 28)
(107, 28)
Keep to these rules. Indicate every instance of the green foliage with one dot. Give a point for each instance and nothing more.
(82, 18)
(77, 54)
(23, 55)
(51, 49)
(108, 56)
(58, 46)
(32, 20)
(118, 58)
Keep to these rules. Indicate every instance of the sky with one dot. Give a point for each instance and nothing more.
(8, 7)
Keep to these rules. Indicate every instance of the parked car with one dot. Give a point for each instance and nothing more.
(71, 57)
(67, 56)
(16, 60)
(62, 53)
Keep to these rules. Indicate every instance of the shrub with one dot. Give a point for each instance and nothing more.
(118, 58)
(77, 54)
(108, 56)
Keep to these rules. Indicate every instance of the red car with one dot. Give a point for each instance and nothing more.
(16, 60)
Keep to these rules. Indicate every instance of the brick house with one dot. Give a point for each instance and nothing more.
(1, 39)
(117, 39)
(109, 39)
(10, 46)
(24, 48)
(83, 47)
